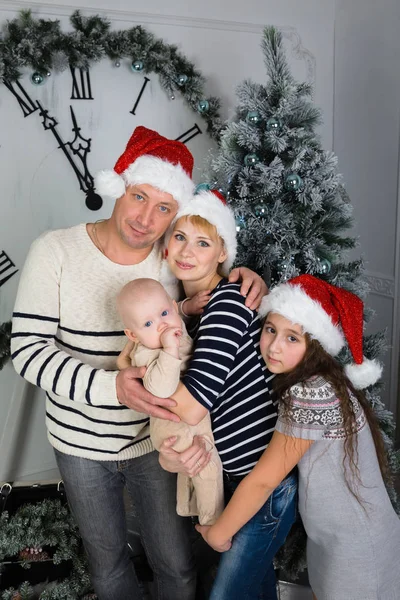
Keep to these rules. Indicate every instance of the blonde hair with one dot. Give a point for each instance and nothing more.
(203, 224)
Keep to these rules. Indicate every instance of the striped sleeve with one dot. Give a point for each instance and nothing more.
(34, 351)
(219, 337)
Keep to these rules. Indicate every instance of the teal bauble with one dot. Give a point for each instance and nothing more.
(251, 159)
(37, 78)
(240, 222)
(253, 117)
(182, 79)
(273, 124)
(137, 66)
(324, 266)
(293, 182)
(260, 210)
(202, 187)
(203, 106)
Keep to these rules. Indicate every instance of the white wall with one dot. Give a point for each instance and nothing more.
(366, 139)
(326, 43)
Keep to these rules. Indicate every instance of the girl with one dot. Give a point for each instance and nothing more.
(328, 429)
(227, 377)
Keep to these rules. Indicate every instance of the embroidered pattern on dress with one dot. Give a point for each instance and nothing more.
(315, 406)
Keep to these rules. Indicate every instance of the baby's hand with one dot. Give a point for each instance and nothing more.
(195, 305)
(170, 340)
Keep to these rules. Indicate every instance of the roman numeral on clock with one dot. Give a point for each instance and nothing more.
(81, 88)
(26, 103)
(6, 265)
(146, 81)
(189, 134)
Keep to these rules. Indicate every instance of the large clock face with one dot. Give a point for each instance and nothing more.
(59, 133)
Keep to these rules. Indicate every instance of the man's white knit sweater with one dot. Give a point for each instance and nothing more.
(66, 337)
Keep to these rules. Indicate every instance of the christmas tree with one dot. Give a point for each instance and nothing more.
(292, 210)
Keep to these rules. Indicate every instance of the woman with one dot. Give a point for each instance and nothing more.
(228, 378)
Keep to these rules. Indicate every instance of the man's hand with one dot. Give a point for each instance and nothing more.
(207, 533)
(189, 462)
(170, 340)
(132, 394)
(124, 359)
(253, 287)
(196, 304)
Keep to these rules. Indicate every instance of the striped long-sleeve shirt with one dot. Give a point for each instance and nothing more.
(228, 376)
(66, 337)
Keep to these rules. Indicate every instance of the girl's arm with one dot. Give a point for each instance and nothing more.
(282, 454)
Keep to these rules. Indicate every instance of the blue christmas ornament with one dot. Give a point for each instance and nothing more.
(253, 117)
(293, 182)
(324, 266)
(182, 79)
(137, 66)
(203, 106)
(37, 78)
(273, 124)
(260, 210)
(240, 222)
(251, 159)
(202, 187)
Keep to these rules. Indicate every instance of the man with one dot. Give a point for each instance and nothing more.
(66, 337)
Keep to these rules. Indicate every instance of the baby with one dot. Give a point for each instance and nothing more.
(160, 342)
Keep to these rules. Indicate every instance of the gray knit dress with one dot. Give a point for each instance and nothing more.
(353, 548)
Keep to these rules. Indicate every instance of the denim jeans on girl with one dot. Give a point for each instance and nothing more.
(94, 492)
(246, 571)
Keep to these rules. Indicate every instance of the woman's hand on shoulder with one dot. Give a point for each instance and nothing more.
(207, 532)
(253, 287)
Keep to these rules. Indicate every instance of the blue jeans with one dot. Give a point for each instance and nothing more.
(95, 494)
(246, 571)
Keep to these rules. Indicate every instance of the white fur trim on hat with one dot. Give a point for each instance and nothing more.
(162, 175)
(294, 304)
(151, 170)
(212, 209)
(109, 183)
(364, 375)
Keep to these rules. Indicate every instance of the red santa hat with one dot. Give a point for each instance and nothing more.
(331, 315)
(212, 206)
(153, 159)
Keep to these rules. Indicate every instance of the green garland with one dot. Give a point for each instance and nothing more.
(47, 525)
(41, 45)
(5, 339)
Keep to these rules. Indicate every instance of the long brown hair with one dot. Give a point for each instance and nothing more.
(317, 361)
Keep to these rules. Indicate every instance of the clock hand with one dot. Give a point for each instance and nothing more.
(72, 149)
